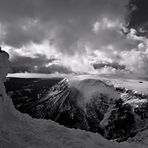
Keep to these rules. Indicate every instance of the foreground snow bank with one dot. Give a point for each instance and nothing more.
(21, 131)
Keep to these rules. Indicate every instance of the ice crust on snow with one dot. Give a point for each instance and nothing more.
(19, 130)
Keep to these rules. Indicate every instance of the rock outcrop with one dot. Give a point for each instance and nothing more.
(4, 68)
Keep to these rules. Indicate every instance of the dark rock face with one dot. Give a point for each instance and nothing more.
(120, 123)
(114, 118)
(95, 113)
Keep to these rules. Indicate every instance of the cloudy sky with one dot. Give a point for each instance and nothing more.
(80, 36)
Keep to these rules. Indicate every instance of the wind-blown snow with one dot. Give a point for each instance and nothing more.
(19, 130)
(90, 87)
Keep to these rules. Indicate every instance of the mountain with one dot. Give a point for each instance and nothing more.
(89, 104)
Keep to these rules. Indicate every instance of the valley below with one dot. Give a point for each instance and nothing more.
(117, 112)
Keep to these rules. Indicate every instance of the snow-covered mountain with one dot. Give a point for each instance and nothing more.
(92, 105)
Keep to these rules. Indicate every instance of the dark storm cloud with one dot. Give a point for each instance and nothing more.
(28, 64)
(19, 36)
(66, 22)
(138, 18)
(73, 31)
(112, 65)
(39, 64)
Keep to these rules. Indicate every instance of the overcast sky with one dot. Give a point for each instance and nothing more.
(91, 36)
